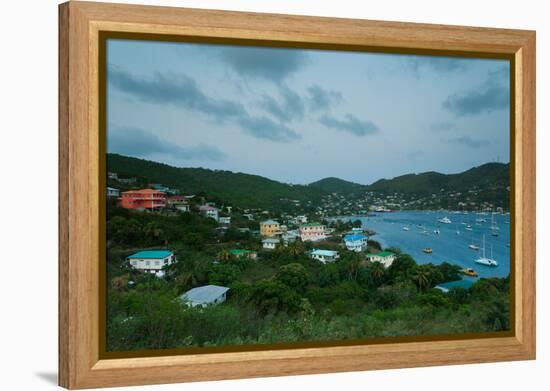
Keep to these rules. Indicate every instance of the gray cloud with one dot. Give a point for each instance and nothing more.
(492, 95)
(272, 64)
(264, 128)
(321, 99)
(350, 124)
(442, 126)
(291, 107)
(469, 142)
(178, 90)
(436, 63)
(140, 142)
(182, 91)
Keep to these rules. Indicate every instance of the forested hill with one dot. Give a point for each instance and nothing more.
(337, 185)
(485, 177)
(244, 190)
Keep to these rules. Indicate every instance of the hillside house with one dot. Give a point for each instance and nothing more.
(205, 295)
(386, 258)
(149, 199)
(178, 202)
(242, 253)
(270, 243)
(325, 256)
(313, 232)
(224, 220)
(151, 261)
(270, 228)
(112, 192)
(209, 211)
(356, 242)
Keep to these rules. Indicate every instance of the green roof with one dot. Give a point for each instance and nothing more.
(151, 254)
(239, 251)
(383, 254)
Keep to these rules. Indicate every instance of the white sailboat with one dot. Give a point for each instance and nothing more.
(494, 226)
(473, 246)
(484, 260)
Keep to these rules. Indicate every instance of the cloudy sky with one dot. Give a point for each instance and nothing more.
(302, 115)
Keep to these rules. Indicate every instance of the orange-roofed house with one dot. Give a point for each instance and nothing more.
(146, 198)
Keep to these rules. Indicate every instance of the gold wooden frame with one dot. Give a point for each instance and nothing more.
(80, 26)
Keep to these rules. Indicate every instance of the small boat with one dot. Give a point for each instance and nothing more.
(468, 227)
(405, 228)
(445, 220)
(473, 247)
(437, 232)
(481, 220)
(469, 272)
(428, 250)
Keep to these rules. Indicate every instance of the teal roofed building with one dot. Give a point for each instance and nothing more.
(242, 253)
(151, 261)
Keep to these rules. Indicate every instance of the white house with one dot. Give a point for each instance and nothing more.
(313, 232)
(205, 295)
(325, 256)
(356, 242)
(112, 192)
(386, 258)
(224, 220)
(209, 211)
(270, 243)
(151, 261)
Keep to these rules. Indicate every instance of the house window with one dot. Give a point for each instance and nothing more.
(157, 263)
(148, 263)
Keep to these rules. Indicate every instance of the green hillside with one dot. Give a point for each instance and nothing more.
(485, 177)
(337, 185)
(244, 190)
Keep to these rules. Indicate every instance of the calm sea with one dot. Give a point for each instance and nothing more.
(451, 244)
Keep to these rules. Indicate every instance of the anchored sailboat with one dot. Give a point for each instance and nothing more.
(484, 260)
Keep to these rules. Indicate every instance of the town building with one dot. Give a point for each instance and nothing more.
(205, 295)
(112, 175)
(164, 189)
(224, 220)
(270, 243)
(325, 256)
(146, 198)
(112, 192)
(209, 211)
(178, 202)
(242, 253)
(313, 232)
(127, 181)
(151, 261)
(386, 258)
(290, 237)
(270, 228)
(356, 242)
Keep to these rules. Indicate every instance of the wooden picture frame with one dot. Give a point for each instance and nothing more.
(81, 364)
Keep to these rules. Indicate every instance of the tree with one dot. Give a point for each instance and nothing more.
(422, 277)
(377, 272)
(224, 255)
(293, 275)
(272, 296)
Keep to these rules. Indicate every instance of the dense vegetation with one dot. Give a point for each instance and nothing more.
(283, 296)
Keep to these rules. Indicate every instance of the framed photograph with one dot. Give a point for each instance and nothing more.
(247, 195)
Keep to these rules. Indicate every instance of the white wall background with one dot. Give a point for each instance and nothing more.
(28, 221)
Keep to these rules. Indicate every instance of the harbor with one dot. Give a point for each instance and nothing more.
(415, 231)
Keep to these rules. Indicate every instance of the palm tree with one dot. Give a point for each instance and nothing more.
(295, 249)
(422, 278)
(377, 271)
(224, 255)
